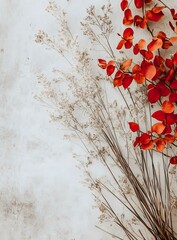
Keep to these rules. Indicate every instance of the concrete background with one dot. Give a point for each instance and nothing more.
(41, 194)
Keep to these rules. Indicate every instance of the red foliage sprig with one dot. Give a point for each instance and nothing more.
(157, 73)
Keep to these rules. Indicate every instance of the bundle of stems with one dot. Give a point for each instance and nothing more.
(142, 183)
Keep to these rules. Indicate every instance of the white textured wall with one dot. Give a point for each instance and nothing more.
(41, 195)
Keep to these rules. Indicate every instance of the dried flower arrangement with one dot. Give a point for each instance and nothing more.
(125, 115)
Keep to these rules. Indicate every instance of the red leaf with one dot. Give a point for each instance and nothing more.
(128, 18)
(173, 85)
(168, 129)
(128, 33)
(173, 97)
(169, 138)
(171, 118)
(145, 138)
(173, 13)
(172, 27)
(140, 45)
(159, 115)
(170, 75)
(110, 68)
(136, 49)
(150, 86)
(102, 63)
(139, 21)
(147, 146)
(128, 44)
(138, 3)
(124, 4)
(158, 60)
(153, 95)
(169, 63)
(127, 81)
(166, 44)
(161, 35)
(173, 160)
(146, 54)
(118, 79)
(134, 126)
(127, 39)
(158, 128)
(137, 141)
(155, 17)
(164, 91)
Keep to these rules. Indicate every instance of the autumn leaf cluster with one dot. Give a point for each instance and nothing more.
(154, 70)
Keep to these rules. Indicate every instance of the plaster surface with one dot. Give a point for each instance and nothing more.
(41, 194)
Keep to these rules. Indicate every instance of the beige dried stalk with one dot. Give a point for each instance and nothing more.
(140, 183)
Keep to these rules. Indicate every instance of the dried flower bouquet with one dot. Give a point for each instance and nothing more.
(125, 116)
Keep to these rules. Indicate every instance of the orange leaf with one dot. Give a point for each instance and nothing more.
(139, 78)
(136, 68)
(158, 128)
(157, 9)
(117, 82)
(155, 44)
(169, 138)
(141, 44)
(149, 72)
(120, 44)
(160, 144)
(173, 39)
(126, 64)
(147, 146)
(118, 79)
(168, 107)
